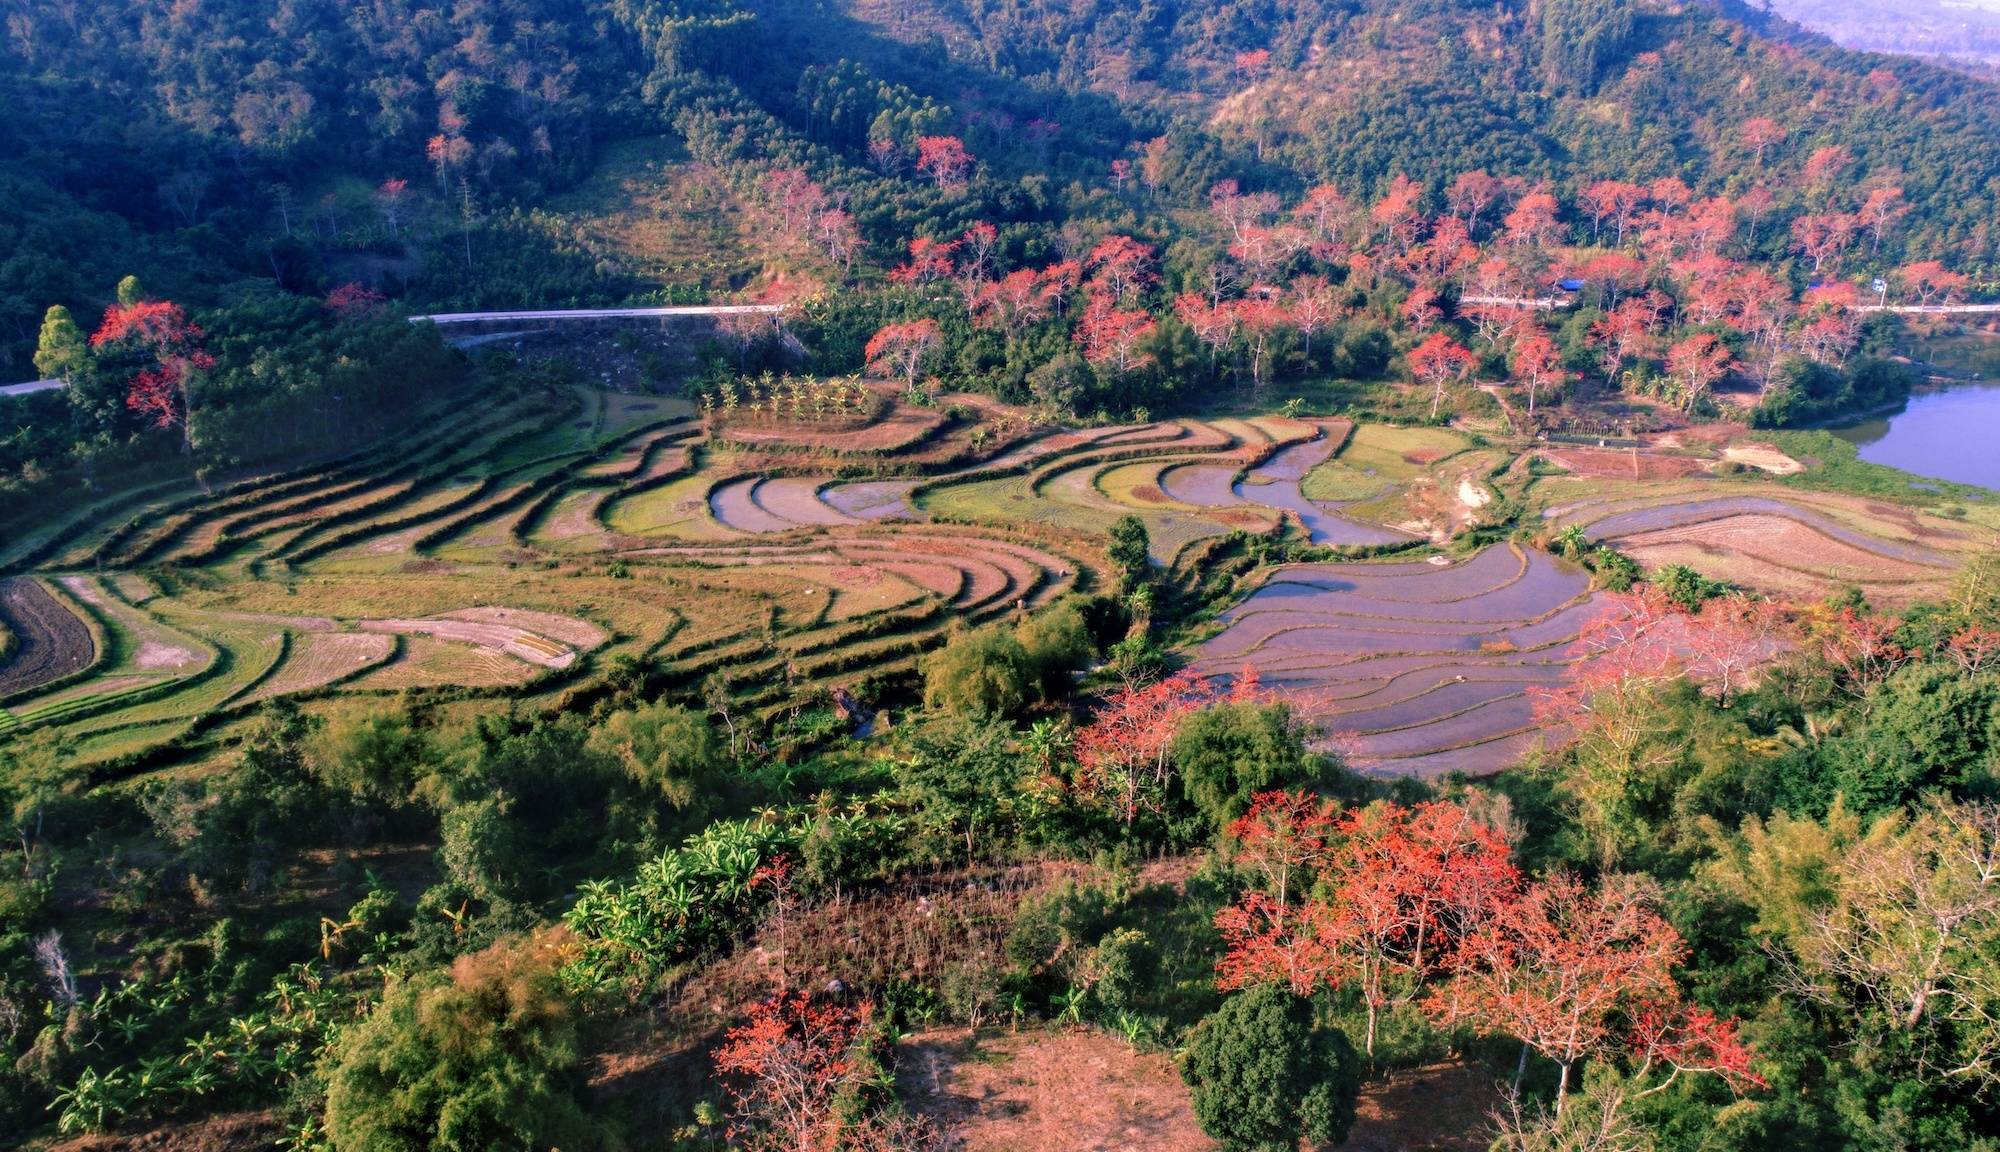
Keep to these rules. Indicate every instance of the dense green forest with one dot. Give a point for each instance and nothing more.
(222, 152)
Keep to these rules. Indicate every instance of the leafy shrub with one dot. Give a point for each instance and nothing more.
(1264, 1078)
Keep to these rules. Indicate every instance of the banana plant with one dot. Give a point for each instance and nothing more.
(1069, 1007)
(93, 1102)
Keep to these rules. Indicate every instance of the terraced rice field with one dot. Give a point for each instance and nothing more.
(318, 659)
(1797, 544)
(1414, 668)
(521, 549)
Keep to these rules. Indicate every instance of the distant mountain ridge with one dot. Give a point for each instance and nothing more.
(1958, 30)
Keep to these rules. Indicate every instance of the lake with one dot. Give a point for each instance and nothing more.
(1949, 434)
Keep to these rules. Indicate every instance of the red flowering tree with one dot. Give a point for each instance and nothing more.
(1931, 282)
(1759, 134)
(158, 337)
(1121, 266)
(944, 159)
(1614, 200)
(351, 301)
(1110, 335)
(1975, 649)
(1538, 364)
(1258, 318)
(1625, 335)
(929, 260)
(1575, 972)
(1315, 306)
(1284, 835)
(1533, 223)
(390, 194)
(1013, 302)
(1696, 365)
(1824, 238)
(898, 351)
(1213, 324)
(1122, 752)
(1861, 648)
(789, 1067)
(1399, 890)
(1440, 362)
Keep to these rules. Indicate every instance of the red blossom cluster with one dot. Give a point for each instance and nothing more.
(1423, 905)
(789, 1063)
(1122, 752)
(352, 301)
(1394, 890)
(944, 159)
(899, 350)
(160, 332)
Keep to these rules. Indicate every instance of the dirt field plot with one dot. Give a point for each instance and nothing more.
(53, 643)
(510, 639)
(149, 645)
(901, 427)
(1051, 1092)
(426, 662)
(1623, 464)
(1784, 546)
(317, 659)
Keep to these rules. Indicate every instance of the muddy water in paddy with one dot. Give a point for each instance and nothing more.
(1420, 669)
(1275, 484)
(871, 499)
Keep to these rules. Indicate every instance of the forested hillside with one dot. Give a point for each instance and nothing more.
(319, 142)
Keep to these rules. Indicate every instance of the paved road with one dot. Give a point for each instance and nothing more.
(601, 313)
(30, 386)
(1545, 303)
(1931, 309)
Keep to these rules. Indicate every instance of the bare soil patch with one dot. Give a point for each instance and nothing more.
(231, 1132)
(155, 656)
(499, 638)
(1088, 1092)
(899, 428)
(568, 629)
(1437, 1108)
(53, 642)
(1049, 1091)
(426, 662)
(1624, 464)
(1764, 457)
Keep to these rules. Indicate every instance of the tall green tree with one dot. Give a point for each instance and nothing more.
(62, 352)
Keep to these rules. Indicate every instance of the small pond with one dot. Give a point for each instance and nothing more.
(1950, 433)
